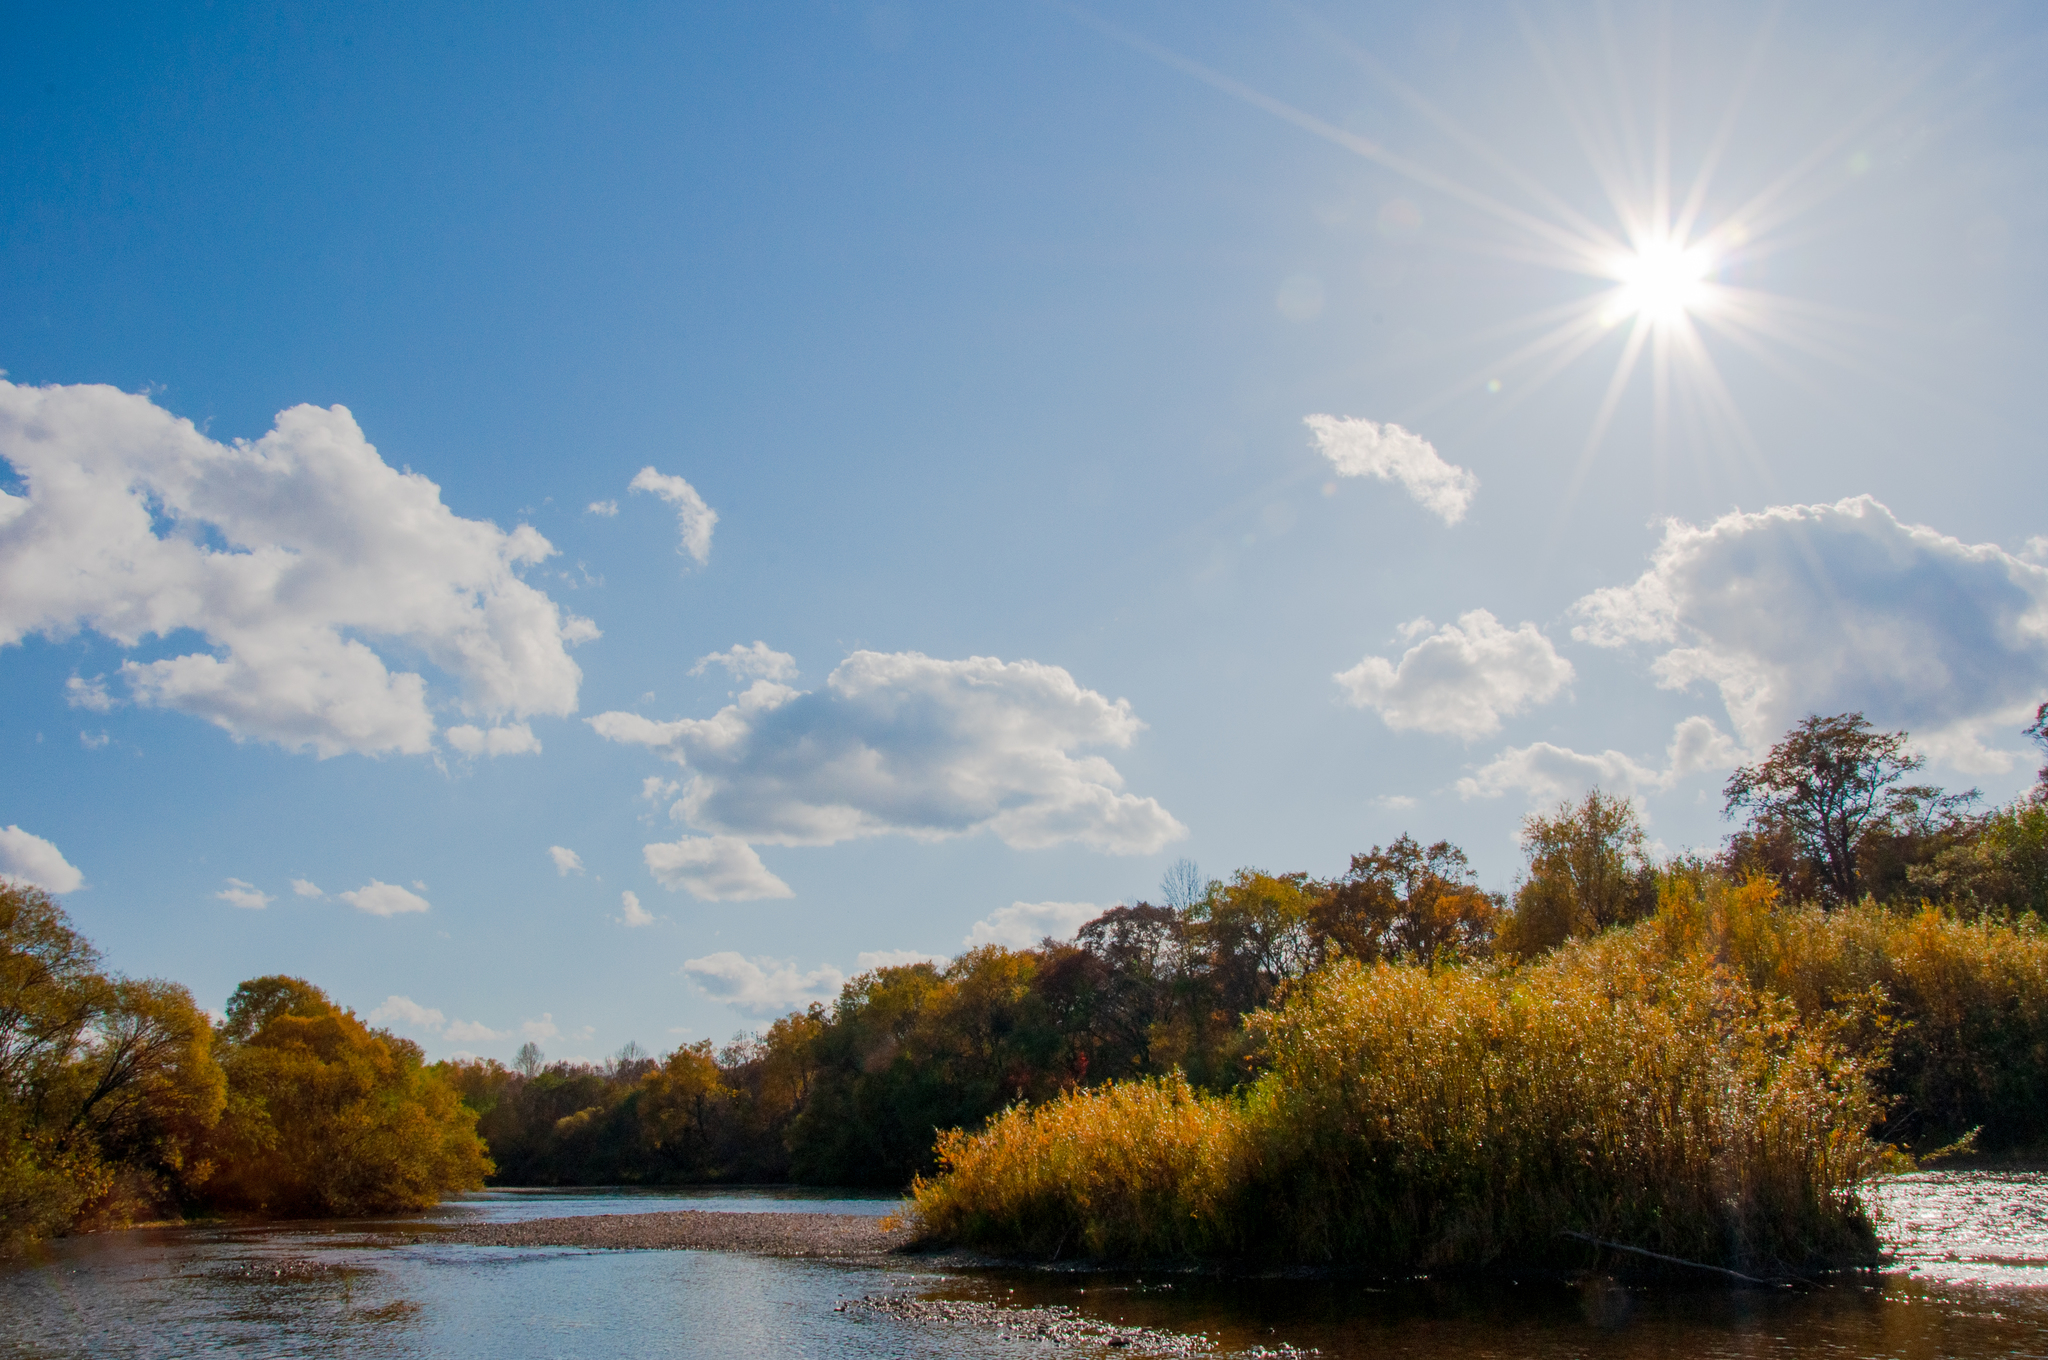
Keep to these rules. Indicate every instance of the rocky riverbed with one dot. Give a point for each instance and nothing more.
(822, 1236)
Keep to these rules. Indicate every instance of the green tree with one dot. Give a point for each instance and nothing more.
(1821, 787)
(329, 1118)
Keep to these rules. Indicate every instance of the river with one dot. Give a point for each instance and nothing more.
(1969, 1277)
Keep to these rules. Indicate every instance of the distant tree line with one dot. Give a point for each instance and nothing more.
(854, 1093)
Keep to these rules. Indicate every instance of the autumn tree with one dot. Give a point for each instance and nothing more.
(108, 1088)
(1407, 901)
(1589, 869)
(327, 1117)
(1826, 784)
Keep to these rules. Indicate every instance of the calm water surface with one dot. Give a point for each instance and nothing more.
(1970, 1278)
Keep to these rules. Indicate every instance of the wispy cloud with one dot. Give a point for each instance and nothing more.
(1359, 448)
(694, 519)
(244, 895)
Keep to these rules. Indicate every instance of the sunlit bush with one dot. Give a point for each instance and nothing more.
(329, 1118)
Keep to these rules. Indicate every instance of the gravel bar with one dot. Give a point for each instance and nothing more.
(761, 1234)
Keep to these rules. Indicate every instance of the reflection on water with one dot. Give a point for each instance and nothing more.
(1972, 1248)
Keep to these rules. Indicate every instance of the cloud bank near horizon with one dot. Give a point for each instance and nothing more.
(1803, 609)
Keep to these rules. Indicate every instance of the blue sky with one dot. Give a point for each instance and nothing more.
(973, 350)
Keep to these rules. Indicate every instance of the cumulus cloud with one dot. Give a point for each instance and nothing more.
(604, 508)
(870, 959)
(543, 1028)
(694, 519)
(290, 555)
(383, 899)
(1461, 679)
(567, 861)
(762, 986)
(758, 662)
(714, 868)
(244, 895)
(636, 915)
(1548, 773)
(1023, 924)
(904, 743)
(1828, 608)
(27, 860)
(1359, 448)
(404, 1012)
(511, 739)
(306, 888)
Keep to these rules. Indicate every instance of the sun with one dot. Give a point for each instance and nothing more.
(1661, 280)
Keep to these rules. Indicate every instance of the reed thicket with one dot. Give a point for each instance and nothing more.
(1712, 1083)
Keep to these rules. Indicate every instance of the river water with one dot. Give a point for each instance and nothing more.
(1969, 1278)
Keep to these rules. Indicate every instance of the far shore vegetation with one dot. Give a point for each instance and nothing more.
(1702, 1056)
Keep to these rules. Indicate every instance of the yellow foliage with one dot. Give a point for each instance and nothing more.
(329, 1118)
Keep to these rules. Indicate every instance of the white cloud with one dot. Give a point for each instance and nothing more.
(1548, 773)
(758, 662)
(567, 861)
(903, 743)
(654, 788)
(89, 694)
(636, 915)
(694, 519)
(511, 739)
(289, 555)
(543, 1028)
(1394, 802)
(604, 508)
(28, 860)
(403, 1011)
(1023, 924)
(1359, 448)
(714, 868)
(1462, 679)
(869, 960)
(762, 986)
(94, 742)
(244, 895)
(306, 888)
(383, 899)
(1828, 608)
